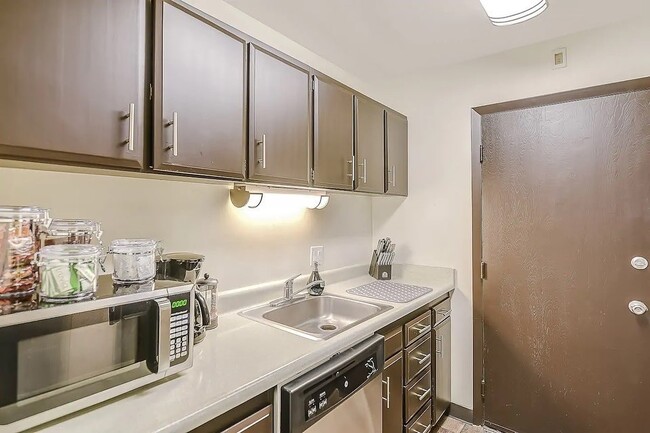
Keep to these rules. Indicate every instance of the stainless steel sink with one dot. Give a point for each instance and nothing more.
(317, 318)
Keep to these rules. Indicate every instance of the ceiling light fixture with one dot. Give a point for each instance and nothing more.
(508, 12)
(241, 197)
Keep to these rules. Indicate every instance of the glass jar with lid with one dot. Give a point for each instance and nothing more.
(68, 272)
(21, 228)
(134, 260)
(72, 231)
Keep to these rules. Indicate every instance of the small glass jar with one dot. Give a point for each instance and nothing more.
(134, 260)
(68, 272)
(72, 232)
(21, 230)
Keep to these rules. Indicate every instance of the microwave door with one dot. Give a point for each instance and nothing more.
(51, 362)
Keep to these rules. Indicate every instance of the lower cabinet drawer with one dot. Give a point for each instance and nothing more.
(417, 358)
(417, 394)
(422, 423)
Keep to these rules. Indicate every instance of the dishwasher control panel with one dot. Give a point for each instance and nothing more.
(312, 396)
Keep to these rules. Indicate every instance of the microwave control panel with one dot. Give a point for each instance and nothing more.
(180, 329)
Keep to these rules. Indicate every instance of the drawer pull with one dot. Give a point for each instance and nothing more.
(387, 398)
(425, 393)
(424, 359)
(427, 428)
(256, 422)
(422, 329)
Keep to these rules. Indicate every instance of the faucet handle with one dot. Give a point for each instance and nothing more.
(289, 282)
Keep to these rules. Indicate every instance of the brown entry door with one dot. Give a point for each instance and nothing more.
(566, 206)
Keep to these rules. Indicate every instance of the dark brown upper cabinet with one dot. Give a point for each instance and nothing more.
(396, 154)
(200, 94)
(72, 86)
(370, 145)
(279, 119)
(334, 165)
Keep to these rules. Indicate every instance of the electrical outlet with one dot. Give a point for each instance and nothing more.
(316, 255)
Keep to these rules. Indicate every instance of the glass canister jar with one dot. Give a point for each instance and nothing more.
(71, 232)
(68, 272)
(21, 228)
(134, 260)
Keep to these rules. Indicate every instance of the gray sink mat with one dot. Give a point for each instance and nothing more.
(390, 292)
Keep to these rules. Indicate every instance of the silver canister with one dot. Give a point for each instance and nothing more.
(208, 288)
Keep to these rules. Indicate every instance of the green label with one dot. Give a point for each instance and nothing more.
(179, 303)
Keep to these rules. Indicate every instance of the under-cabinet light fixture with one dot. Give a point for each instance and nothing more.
(508, 12)
(241, 197)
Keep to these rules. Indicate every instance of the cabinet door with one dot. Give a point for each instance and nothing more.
(396, 154)
(370, 146)
(443, 368)
(200, 106)
(259, 422)
(333, 135)
(392, 413)
(280, 113)
(73, 79)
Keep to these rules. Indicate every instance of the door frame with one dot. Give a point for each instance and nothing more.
(477, 203)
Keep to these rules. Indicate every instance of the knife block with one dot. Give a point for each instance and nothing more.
(379, 272)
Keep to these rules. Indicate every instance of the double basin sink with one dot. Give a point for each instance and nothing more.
(318, 317)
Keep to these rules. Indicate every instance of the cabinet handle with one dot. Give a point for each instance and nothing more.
(422, 329)
(393, 173)
(131, 116)
(425, 393)
(262, 160)
(439, 339)
(174, 124)
(427, 428)
(387, 398)
(424, 359)
(364, 166)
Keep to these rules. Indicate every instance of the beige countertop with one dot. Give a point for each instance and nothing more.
(243, 358)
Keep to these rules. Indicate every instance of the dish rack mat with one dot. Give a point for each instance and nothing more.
(390, 291)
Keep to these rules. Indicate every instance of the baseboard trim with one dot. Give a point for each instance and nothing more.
(461, 413)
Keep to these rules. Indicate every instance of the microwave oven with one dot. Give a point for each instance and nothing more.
(56, 359)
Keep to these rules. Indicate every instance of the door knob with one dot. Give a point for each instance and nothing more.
(638, 307)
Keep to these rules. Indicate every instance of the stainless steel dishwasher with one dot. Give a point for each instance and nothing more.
(342, 395)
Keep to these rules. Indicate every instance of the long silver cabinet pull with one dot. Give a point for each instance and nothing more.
(425, 393)
(439, 340)
(424, 359)
(130, 142)
(427, 427)
(423, 329)
(164, 324)
(394, 183)
(262, 159)
(387, 398)
(174, 124)
(364, 171)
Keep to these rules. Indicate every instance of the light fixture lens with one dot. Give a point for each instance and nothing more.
(317, 201)
(255, 200)
(324, 201)
(508, 12)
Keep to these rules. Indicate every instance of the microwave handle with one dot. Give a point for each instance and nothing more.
(163, 318)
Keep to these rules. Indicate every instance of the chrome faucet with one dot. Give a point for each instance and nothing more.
(289, 292)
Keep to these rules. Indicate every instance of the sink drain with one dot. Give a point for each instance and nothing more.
(328, 327)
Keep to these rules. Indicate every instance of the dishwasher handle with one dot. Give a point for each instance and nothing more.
(316, 393)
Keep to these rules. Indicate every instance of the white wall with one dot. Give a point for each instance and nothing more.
(433, 225)
(242, 247)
